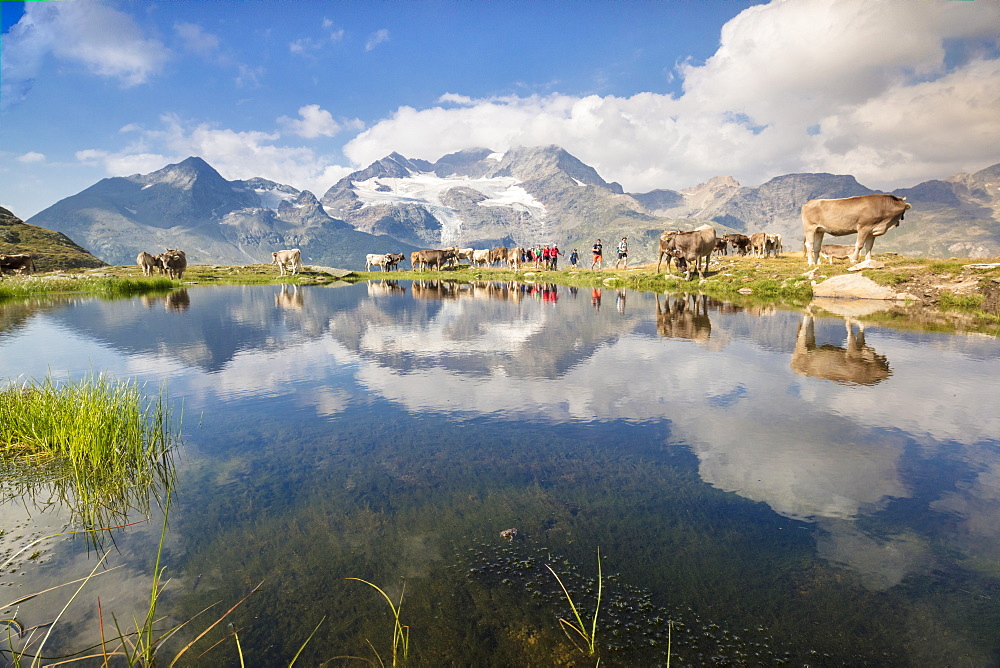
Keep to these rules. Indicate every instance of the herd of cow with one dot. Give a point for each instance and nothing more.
(447, 257)
(172, 262)
(868, 216)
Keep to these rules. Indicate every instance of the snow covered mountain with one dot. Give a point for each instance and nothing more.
(482, 198)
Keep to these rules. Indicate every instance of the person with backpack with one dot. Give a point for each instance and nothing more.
(598, 251)
(622, 253)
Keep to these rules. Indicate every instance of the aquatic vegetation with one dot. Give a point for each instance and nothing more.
(98, 444)
(589, 637)
(635, 629)
(400, 633)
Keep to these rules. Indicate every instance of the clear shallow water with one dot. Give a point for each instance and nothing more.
(783, 490)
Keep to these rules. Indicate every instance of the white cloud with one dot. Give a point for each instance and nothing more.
(31, 156)
(893, 92)
(104, 40)
(316, 122)
(376, 38)
(196, 40)
(236, 155)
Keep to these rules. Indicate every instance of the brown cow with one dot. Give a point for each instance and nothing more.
(174, 262)
(762, 244)
(147, 263)
(392, 261)
(20, 263)
(830, 252)
(431, 258)
(498, 254)
(868, 216)
(739, 242)
(689, 247)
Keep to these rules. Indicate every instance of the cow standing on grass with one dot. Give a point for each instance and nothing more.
(174, 262)
(688, 247)
(147, 263)
(287, 261)
(868, 216)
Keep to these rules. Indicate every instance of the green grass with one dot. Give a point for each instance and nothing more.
(589, 636)
(20, 287)
(400, 647)
(952, 302)
(106, 443)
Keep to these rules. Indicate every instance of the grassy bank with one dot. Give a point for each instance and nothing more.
(110, 285)
(107, 445)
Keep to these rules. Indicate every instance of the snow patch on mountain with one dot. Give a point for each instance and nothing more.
(271, 198)
(426, 189)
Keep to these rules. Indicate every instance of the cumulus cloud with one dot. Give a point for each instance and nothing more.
(105, 41)
(31, 156)
(316, 122)
(236, 155)
(893, 92)
(376, 38)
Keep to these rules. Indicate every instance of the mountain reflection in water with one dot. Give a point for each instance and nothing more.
(460, 394)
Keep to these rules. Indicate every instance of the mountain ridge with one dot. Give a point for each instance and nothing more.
(481, 198)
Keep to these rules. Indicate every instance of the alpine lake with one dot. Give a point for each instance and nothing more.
(761, 486)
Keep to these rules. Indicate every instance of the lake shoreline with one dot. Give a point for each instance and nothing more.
(961, 295)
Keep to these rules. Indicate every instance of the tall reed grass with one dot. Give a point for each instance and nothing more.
(107, 443)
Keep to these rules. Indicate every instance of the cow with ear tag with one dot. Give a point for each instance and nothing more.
(868, 216)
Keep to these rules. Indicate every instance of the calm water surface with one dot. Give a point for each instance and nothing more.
(781, 486)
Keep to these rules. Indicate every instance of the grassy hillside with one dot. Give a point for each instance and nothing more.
(50, 250)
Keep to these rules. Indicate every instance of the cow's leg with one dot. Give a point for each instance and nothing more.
(813, 241)
(865, 239)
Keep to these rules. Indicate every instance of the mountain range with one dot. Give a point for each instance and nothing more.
(481, 198)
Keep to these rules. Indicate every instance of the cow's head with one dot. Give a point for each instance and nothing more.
(274, 258)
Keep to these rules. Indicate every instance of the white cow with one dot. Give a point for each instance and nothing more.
(373, 259)
(287, 260)
(481, 258)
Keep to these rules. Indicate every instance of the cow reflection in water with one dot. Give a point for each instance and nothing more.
(177, 300)
(289, 297)
(856, 363)
(684, 317)
(385, 288)
(437, 290)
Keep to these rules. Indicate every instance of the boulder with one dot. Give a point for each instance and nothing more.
(856, 286)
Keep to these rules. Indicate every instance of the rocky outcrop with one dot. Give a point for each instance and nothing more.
(856, 286)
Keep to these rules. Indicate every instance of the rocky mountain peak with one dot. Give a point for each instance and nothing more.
(184, 175)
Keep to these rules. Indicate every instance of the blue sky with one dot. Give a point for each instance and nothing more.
(652, 94)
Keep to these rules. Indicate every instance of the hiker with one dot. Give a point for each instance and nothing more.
(574, 257)
(598, 251)
(554, 256)
(622, 253)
